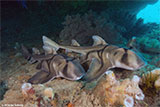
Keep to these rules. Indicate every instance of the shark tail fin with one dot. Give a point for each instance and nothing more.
(49, 43)
(25, 52)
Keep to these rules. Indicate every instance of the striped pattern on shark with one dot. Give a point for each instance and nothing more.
(102, 56)
(53, 66)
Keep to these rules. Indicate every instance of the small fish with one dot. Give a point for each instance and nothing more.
(53, 66)
(103, 56)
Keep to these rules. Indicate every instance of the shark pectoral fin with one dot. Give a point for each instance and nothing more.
(44, 75)
(44, 66)
(97, 40)
(97, 69)
(41, 77)
(75, 43)
(93, 70)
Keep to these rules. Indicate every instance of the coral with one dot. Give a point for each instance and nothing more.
(27, 90)
(127, 101)
(132, 26)
(156, 72)
(87, 100)
(70, 105)
(48, 92)
(157, 83)
(150, 42)
(40, 94)
(150, 82)
(122, 92)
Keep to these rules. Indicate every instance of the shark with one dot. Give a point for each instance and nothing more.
(52, 66)
(101, 55)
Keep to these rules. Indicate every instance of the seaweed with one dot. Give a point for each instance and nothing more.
(147, 84)
(132, 25)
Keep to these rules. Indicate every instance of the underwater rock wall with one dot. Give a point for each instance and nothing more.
(37, 18)
(112, 25)
(81, 28)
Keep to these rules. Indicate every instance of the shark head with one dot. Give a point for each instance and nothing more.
(126, 59)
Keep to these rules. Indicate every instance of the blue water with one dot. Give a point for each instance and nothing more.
(151, 13)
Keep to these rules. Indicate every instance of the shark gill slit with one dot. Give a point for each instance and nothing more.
(115, 53)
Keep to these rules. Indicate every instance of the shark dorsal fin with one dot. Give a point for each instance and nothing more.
(97, 40)
(75, 43)
(49, 43)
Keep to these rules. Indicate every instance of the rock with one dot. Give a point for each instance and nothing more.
(27, 89)
(3, 89)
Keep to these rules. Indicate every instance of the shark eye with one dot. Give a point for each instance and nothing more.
(115, 53)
